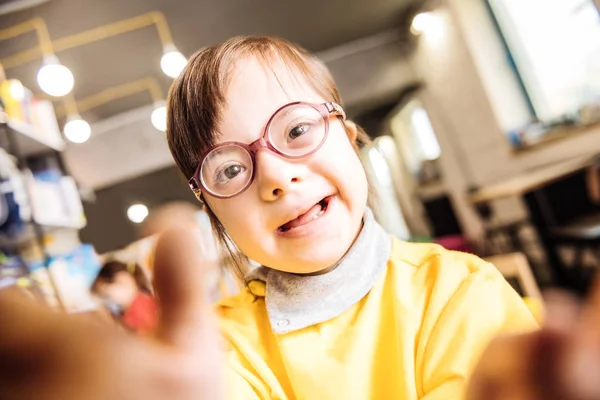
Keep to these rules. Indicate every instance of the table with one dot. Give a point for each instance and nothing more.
(530, 180)
(530, 187)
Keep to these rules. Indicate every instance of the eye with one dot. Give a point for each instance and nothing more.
(298, 131)
(229, 172)
(233, 171)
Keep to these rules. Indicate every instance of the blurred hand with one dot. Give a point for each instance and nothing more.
(561, 361)
(45, 355)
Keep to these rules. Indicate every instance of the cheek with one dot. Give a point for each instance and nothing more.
(101, 291)
(243, 223)
(340, 164)
(114, 292)
(236, 214)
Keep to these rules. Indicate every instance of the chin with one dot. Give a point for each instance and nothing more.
(318, 258)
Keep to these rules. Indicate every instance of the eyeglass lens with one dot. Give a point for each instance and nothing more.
(294, 131)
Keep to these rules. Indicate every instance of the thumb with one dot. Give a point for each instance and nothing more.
(179, 279)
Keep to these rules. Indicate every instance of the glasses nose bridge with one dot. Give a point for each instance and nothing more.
(261, 143)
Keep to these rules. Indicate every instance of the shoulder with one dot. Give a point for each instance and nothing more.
(434, 260)
(431, 277)
(456, 285)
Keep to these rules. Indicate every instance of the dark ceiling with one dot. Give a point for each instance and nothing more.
(315, 24)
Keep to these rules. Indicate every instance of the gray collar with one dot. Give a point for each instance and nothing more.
(295, 302)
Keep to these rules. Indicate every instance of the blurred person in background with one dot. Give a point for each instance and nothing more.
(338, 309)
(126, 292)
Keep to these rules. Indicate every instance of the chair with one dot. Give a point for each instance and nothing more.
(500, 237)
(583, 234)
(515, 268)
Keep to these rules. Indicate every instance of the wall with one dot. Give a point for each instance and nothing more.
(470, 116)
(370, 71)
(108, 227)
(122, 147)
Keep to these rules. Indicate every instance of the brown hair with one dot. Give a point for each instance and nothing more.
(109, 271)
(196, 99)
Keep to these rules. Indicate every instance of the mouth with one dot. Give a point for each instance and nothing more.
(314, 213)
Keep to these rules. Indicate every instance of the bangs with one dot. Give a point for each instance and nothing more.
(304, 69)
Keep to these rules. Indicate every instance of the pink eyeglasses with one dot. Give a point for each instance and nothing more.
(294, 131)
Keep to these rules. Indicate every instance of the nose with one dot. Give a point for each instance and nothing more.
(275, 175)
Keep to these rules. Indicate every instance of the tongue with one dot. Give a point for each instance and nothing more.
(304, 218)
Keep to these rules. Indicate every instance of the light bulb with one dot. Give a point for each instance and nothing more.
(159, 118)
(77, 130)
(425, 22)
(137, 213)
(54, 78)
(172, 61)
(16, 89)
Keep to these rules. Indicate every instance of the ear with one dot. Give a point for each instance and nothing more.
(352, 131)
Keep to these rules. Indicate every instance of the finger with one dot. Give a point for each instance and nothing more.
(179, 215)
(179, 278)
(582, 356)
(587, 330)
(187, 323)
(506, 369)
(561, 311)
(21, 321)
(591, 310)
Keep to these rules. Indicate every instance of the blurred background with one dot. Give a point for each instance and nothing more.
(485, 116)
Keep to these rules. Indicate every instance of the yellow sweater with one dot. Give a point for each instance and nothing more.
(416, 335)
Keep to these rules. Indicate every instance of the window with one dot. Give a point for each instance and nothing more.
(417, 141)
(555, 45)
(388, 211)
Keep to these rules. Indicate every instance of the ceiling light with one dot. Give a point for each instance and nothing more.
(54, 78)
(172, 61)
(425, 22)
(16, 90)
(159, 116)
(77, 130)
(137, 213)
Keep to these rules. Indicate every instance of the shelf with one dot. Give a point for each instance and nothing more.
(431, 190)
(30, 142)
(28, 234)
(22, 239)
(555, 135)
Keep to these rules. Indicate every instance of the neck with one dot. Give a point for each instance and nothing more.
(305, 300)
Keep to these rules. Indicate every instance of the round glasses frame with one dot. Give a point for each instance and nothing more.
(326, 109)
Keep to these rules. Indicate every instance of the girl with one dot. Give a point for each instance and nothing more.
(127, 292)
(339, 309)
(342, 310)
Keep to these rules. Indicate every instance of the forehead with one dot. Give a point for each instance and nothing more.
(255, 92)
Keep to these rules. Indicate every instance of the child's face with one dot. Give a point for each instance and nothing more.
(121, 291)
(283, 189)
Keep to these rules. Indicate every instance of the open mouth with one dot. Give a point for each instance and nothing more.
(314, 213)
